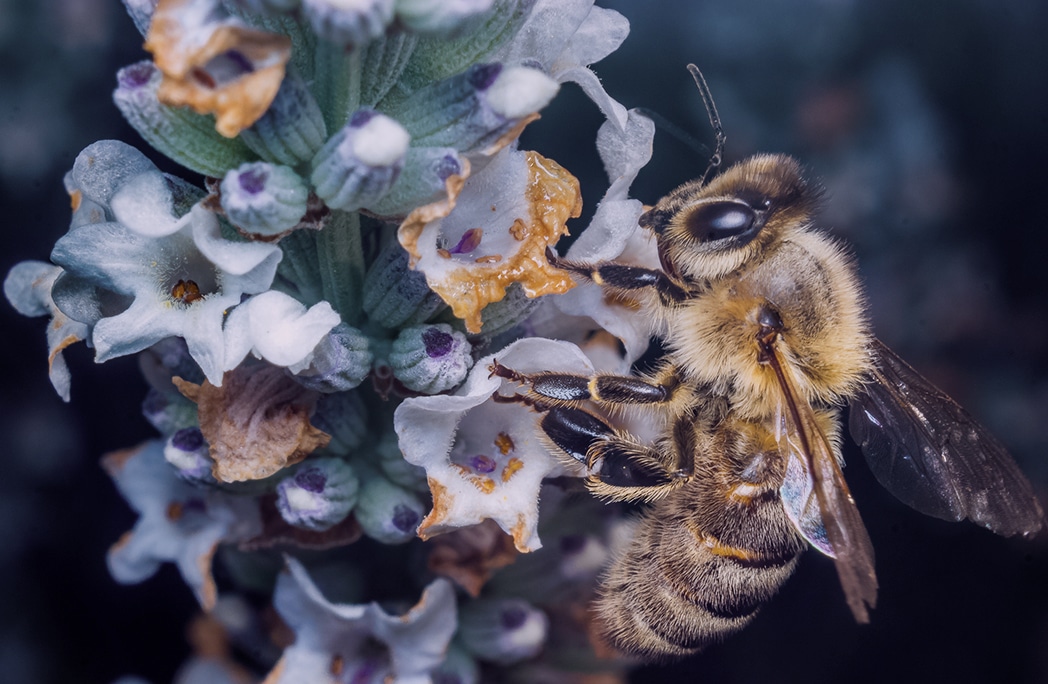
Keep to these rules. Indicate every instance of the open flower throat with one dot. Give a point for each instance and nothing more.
(471, 255)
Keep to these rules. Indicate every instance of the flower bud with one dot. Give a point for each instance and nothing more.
(431, 358)
(387, 512)
(263, 199)
(444, 18)
(340, 361)
(343, 416)
(168, 413)
(351, 24)
(395, 294)
(471, 111)
(512, 309)
(360, 163)
(423, 180)
(188, 452)
(181, 134)
(393, 465)
(292, 130)
(502, 631)
(319, 495)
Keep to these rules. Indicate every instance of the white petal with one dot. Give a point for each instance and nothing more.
(146, 206)
(601, 33)
(255, 262)
(283, 331)
(625, 151)
(590, 85)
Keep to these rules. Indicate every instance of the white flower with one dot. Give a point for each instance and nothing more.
(484, 459)
(278, 328)
(181, 274)
(177, 522)
(334, 642)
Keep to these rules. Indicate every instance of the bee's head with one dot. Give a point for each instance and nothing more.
(707, 231)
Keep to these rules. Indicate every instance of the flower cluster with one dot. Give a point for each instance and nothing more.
(316, 321)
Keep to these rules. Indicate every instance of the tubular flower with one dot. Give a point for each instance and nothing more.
(483, 458)
(177, 522)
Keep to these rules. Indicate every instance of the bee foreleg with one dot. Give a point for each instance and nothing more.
(622, 277)
(603, 389)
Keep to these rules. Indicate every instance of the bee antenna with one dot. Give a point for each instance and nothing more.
(665, 125)
(715, 122)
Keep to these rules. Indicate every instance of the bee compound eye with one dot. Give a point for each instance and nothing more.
(719, 220)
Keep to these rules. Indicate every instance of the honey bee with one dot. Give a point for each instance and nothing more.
(766, 339)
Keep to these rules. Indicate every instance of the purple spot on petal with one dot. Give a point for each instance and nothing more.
(482, 76)
(572, 543)
(241, 61)
(253, 181)
(366, 672)
(361, 117)
(311, 480)
(154, 403)
(188, 439)
(447, 167)
(469, 241)
(438, 343)
(136, 75)
(194, 505)
(513, 617)
(404, 518)
(483, 464)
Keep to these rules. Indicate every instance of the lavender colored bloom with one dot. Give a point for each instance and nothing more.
(503, 630)
(431, 359)
(410, 645)
(318, 495)
(263, 199)
(177, 522)
(188, 452)
(360, 163)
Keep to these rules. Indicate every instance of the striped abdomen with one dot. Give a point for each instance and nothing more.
(701, 562)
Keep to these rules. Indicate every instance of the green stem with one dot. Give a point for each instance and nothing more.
(341, 261)
(336, 82)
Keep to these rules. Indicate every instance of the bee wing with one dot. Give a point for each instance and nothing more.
(797, 491)
(924, 448)
(817, 498)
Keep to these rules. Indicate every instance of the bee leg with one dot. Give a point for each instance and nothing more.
(623, 277)
(624, 467)
(603, 389)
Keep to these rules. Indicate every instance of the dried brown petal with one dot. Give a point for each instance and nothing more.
(551, 195)
(216, 64)
(256, 423)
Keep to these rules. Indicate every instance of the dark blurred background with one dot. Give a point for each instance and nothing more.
(925, 121)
